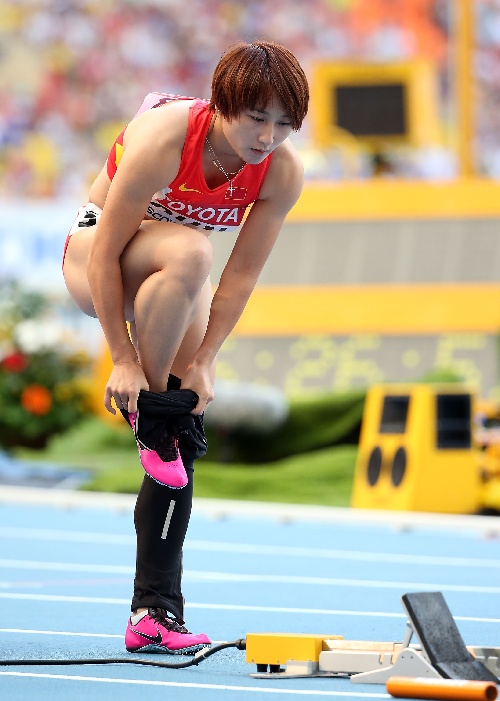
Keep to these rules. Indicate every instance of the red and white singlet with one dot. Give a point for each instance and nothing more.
(188, 200)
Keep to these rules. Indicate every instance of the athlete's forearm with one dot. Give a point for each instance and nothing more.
(105, 280)
(227, 307)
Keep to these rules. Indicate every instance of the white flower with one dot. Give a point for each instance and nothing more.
(32, 335)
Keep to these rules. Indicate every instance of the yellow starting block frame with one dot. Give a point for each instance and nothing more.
(363, 661)
(371, 662)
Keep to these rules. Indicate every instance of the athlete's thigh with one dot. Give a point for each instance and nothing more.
(149, 250)
(137, 263)
(156, 246)
(75, 268)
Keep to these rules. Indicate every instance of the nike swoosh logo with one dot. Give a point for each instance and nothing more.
(183, 188)
(157, 640)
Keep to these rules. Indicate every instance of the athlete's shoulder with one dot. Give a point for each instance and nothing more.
(285, 172)
(153, 100)
(164, 124)
(286, 153)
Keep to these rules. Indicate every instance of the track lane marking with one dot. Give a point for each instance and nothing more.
(256, 549)
(71, 634)
(59, 632)
(193, 685)
(229, 607)
(65, 566)
(195, 576)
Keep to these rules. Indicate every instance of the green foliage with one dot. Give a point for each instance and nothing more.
(323, 477)
(314, 422)
(91, 442)
(43, 387)
(320, 477)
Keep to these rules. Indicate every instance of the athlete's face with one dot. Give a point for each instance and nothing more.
(257, 132)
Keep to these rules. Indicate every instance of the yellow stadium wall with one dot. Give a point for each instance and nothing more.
(308, 332)
(396, 199)
(339, 336)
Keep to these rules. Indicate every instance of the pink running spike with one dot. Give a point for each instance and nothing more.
(169, 472)
(157, 632)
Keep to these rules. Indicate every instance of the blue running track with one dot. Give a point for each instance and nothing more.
(67, 564)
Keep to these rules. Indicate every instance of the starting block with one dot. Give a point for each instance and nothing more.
(439, 653)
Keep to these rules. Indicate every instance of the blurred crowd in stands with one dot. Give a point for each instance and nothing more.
(73, 72)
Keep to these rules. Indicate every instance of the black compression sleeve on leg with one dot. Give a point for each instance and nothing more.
(161, 520)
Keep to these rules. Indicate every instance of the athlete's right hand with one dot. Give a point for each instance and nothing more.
(124, 384)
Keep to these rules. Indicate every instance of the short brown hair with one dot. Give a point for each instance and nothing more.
(249, 75)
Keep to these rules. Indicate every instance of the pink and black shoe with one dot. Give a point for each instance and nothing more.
(162, 462)
(155, 631)
(161, 420)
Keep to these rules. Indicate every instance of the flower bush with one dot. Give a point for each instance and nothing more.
(44, 384)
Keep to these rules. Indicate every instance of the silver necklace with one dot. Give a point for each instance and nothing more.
(229, 176)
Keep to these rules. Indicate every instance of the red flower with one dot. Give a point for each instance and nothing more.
(36, 399)
(15, 362)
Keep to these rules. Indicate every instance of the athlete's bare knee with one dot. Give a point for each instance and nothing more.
(194, 255)
(157, 247)
(190, 264)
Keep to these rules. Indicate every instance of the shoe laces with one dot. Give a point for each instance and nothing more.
(173, 624)
(167, 448)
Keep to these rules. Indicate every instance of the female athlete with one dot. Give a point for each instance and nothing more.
(140, 252)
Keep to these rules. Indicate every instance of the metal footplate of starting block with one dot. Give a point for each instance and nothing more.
(439, 653)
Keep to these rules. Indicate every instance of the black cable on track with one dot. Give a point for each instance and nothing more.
(201, 655)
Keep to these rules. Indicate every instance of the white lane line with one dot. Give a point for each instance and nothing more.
(65, 566)
(59, 632)
(254, 549)
(229, 577)
(349, 555)
(228, 607)
(327, 612)
(50, 534)
(72, 634)
(195, 576)
(192, 685)
(68, 599)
